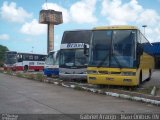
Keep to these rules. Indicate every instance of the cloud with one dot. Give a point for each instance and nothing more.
(57, 42)
(33, 28)
(12, 13)
(28, 40)
(56, 7)
(132, 12)
(4, 37)
(149, 17)
(118, 13)
(83, 11)
(79, 12)
(153, 34)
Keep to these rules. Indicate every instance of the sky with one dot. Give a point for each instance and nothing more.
(20, 29)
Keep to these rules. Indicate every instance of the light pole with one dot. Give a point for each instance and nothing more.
(32, 49)
(144, 26)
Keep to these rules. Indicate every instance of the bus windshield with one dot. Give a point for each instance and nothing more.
(10, 58)
(52, 59)
(113, 48)
(82, 36)
(73, 58)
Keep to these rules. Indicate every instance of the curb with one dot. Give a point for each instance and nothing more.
(113, 94)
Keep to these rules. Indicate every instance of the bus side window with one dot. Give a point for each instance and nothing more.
(30, 57)
(19, 58)
(42, 58)
(35, 57)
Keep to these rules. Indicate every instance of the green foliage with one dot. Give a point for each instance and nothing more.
(39, 77)
(20, 75)
(146, 90)
(30, 76)
(9, 72)
(78, 88)
(3, 49)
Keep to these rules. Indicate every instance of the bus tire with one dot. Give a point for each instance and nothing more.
(49, 75)
(150, 74)
(26, 68)
(101, 86)
(140, 79)
(37, 70)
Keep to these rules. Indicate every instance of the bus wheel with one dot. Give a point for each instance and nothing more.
(25, 68)
(49, 75)
(150, 74)
(101, 86)
(36, 70)
(140, 80)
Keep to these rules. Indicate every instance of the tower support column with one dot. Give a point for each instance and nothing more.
(50, 38)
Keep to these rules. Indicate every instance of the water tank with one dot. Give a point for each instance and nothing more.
(50, 17)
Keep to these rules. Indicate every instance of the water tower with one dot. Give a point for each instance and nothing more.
(51, 18)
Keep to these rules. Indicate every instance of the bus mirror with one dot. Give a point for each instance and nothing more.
(140, 49)
(85, 50)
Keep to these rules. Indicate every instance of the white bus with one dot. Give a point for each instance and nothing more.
(73, 62)
(24, 61)
(51, 66)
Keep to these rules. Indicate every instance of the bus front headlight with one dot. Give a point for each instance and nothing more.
(62, 72)
(92, 72)
(128, 73)
(92, 78)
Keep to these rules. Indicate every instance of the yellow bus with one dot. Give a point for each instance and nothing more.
(116, 56)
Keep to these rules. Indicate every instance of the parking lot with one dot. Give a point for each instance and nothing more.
(20, 95)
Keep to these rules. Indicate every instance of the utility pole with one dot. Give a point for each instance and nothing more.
(32, 49)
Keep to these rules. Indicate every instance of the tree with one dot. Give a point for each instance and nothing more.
(3, 49)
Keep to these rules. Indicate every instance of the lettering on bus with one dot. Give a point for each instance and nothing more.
(31, 63)
(40, 63)
(75, 45)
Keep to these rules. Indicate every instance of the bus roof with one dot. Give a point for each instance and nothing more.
(76, 36)
(54, 51)
(31, 53)
(11, 52)
(24, 53)
(75, 30)
(115, 27)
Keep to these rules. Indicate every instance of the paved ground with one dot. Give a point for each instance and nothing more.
(155, 79)
(18, 95)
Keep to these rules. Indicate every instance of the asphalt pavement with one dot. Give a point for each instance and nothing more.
(20, 95)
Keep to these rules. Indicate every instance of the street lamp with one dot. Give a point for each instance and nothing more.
(32, 49)
(144, 26)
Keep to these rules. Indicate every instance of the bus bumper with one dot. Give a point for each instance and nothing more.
(113, 80)
(73, 76)
(49, 71)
